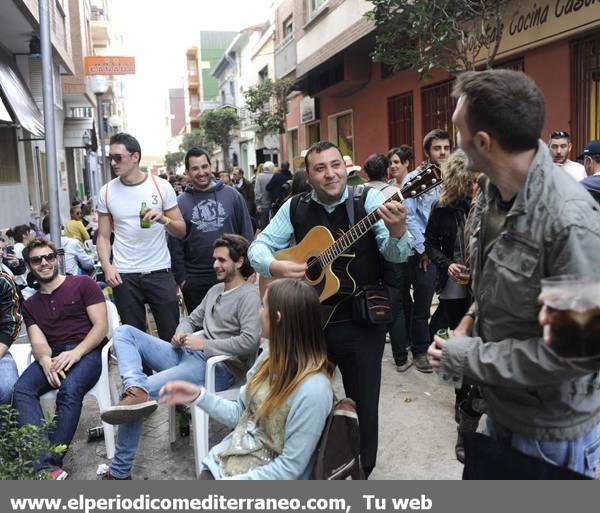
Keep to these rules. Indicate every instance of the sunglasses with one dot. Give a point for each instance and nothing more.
(559, 134)
(37, 260)
(116, 157)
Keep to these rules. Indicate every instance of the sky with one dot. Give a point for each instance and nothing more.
(157, 33)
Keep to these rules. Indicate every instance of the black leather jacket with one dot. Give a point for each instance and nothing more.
(440, 236)
(10, 310)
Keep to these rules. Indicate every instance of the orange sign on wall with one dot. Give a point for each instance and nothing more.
(107, 65)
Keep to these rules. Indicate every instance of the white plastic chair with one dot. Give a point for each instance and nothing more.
(199, 422)
(101, 390)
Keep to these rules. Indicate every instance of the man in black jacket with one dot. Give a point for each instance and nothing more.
(10, 324)
(246, 189)
(276, 186)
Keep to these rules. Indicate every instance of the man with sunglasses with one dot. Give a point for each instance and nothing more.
(225, 323)
(139, 271)
(560, 147)
(66, 324)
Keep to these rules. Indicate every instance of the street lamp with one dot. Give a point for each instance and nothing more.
(99, 86)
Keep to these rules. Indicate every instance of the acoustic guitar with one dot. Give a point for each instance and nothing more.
(319, 249)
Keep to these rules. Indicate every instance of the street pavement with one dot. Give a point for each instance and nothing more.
(416, 434)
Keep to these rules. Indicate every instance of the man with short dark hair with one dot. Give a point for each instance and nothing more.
(591, 162)
(560, 147)
(225, 323)
(66, 324)
(246, 189)
(421, 272)
(529, 223)
(140, 209)
(210, 209)
(354, 343)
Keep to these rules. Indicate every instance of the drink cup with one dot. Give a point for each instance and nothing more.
(573, 305)
(465, 274)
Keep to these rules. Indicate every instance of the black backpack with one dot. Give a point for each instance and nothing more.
(284, 193)
(338, 452)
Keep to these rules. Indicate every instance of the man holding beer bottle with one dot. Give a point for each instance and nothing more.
(139, 208)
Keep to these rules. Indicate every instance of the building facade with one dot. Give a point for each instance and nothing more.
(364, 108)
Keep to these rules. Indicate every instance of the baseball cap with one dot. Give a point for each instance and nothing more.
(591, 148)
(350, 167)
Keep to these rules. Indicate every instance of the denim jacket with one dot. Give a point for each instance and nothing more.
(553, 228)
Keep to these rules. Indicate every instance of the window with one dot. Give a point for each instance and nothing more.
(9, 162)
(314, 6)
(288, 27)
(293, 144)
(438, 107)
(263, 74)
(585, 102)
(400, 120)
(345, 134)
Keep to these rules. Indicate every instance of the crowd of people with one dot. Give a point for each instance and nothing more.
(510, 211)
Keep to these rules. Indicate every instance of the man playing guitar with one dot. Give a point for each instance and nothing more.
(354, 344)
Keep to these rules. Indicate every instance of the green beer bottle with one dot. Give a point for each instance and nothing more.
(143, 222)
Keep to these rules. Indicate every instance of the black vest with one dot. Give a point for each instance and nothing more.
(366, 266)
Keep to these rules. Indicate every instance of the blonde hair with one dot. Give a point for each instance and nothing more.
(297, 347)
(457, 179)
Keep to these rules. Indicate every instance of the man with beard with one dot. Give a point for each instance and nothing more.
(529, 223)
(210, 209)
(225, 323)
(560, 149)
(421, 272)
(66, 324)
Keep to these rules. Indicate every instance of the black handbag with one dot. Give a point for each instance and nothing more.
(372, 304)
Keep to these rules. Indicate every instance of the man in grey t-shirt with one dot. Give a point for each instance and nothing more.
(225, 323)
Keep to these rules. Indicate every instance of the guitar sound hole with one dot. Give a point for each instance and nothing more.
(314, 269)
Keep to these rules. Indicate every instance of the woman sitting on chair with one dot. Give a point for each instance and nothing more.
(280, 413)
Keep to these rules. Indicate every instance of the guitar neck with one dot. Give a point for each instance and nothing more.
(426, 180)
(354, 233)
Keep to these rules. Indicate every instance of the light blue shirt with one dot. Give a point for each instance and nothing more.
(417, 212)
(279, 234)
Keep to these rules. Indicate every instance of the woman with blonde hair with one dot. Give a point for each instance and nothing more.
(280, 413)
(445, 246)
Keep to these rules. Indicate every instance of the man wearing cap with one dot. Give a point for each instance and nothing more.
(560, 148)
(591, 163)
(353, 177)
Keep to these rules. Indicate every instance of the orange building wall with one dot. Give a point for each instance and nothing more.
(549, 66)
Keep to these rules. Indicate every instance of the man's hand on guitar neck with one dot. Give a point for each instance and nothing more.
(287, 269)
(393, 214)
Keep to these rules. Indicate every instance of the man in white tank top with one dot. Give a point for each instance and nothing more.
(139, 209)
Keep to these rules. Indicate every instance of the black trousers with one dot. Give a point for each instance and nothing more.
(357, 349)
(194, 291)
(159, 290)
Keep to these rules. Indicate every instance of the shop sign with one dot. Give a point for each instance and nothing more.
(109, 65)
(308, 111)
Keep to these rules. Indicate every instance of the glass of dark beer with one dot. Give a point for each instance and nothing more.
(573, 304)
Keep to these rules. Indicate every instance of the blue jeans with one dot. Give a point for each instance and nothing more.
(580, 454)
(79, 381)
(8, 377)
(135, 348)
